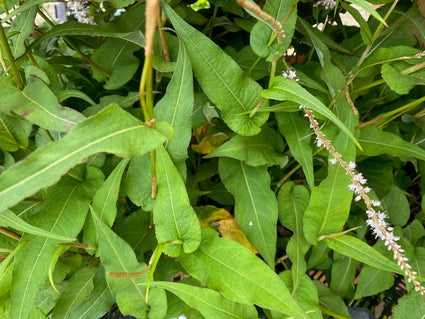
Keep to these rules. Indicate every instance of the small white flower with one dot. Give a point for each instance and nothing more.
(327, 4)
(333, 161)
(376, 203)
(80, 10)
(357, 198)
(291, 74)
(367, 189)
(250, 223)
(352, 165)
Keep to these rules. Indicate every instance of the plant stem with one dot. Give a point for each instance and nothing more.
(6, 48)
(375, 35)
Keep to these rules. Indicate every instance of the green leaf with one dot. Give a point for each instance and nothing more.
(292, 203)
(261, 33)
(397, 206)
(22, 26)
(173, 215)
(306, 295)
(342, 275)
(239, 276)
(66, 94)
(104, 202)
(297, 133)
(77, 289)
(363, 4)
(359, 250)
(14, 132)
(63, 212)
(138, 183)
(256, 205)
(221, 79)
(117, 256)
(38, 104)
(208, 302)
(99, 301)
(411, 306)
(331, 301)
(262, 149)
(121, 134)
(373, 281)
(116, 56)
(375, 142)
(176, 107)
(397, 81)
(285, 89)
(9, 219)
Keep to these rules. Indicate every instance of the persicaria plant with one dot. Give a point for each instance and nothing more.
(212, 159)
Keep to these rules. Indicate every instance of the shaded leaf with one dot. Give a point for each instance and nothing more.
(221, 79)
(397, 81)
(256, 205)
(99, 301)
(117, 256)
(262, 149)
(77, 289)
(411, 306)
(23, 26)
(397, 206)
(373, 281)
(104, 202)
(14, 132)
(292, 203)
(342, 275)
(121, 134)
(63, 212)
(138, 182)
(297, 133)
(38, 104)
(375, 142)
(115, 56)
(242, 276)
(208, 302)
(173, 215)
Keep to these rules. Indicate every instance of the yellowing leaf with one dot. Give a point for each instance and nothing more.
(210, 144)
(229, 228)
(208, 214)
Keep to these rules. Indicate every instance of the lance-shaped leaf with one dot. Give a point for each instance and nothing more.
(112, 130)
(63, 212)
(104, 202)
(9, 219)
(292, 202)
(255, 204)
(99, 301)
(176, 107)
(221, 79)
(38, 104)
(116, 56)
(262, 149)
(77, 289)
(22, 26)
(208, 302)
(376, 142)
(297, 133)
(359, 250)
(118, 257)
(285, 89)
(238, 274)
(173, 216)
(125, 27)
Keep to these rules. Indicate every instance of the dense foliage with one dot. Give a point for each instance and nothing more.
(155, 159)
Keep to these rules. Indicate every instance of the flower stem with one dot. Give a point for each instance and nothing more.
(14, 69)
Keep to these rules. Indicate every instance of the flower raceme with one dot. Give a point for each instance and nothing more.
(376, 219)
(327, 4)
(80, 10)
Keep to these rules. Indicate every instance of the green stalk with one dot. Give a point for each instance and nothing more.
(14, 69)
